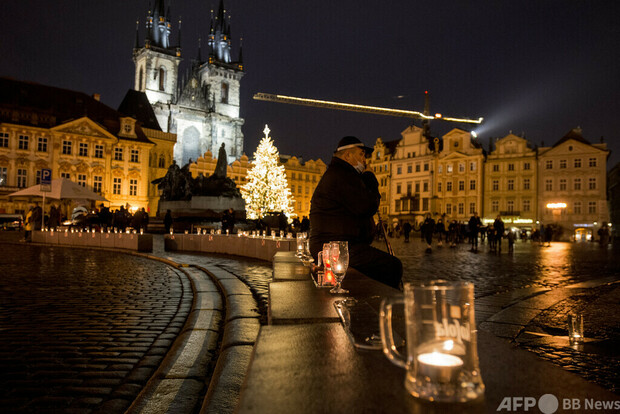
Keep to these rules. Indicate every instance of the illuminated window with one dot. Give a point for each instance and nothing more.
(440, 169)
(66, 147)
(449, 168)
(3, 176)
(577, 183)
(23, 142)
(116, 188)
(472, 166)
(98, 151)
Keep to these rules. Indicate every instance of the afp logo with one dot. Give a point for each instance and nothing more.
(547, 404)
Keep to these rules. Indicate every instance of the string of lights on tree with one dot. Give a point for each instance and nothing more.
(267, 188)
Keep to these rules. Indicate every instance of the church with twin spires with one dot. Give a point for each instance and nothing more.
(200, 106)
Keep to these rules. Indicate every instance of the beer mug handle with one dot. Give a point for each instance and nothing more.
(320, 259)
(387, 334)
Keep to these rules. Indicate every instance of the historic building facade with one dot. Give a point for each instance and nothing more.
(510, 182)
(202, 107)
(78, 138)
(380, 165)
(572, 185)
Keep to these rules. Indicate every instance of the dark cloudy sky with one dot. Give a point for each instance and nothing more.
(537, 67)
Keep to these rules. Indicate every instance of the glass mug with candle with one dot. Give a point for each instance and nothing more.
(339, 262)
(442, 355)
(326, 277)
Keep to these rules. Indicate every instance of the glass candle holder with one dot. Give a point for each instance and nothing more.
(575, 329)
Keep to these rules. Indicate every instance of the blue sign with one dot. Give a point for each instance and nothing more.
(46, 180)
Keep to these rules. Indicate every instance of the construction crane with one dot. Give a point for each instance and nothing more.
(426, 117)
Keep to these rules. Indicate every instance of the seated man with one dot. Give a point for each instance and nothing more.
(342, 208)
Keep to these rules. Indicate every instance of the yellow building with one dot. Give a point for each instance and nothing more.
(412, 167)
(572, 185)
(458, 175)
(380, 165)
(78, 138)
(510, 183)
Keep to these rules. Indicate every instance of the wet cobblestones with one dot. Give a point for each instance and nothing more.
(83, 330)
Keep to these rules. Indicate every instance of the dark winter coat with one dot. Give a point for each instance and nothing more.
(343, 206)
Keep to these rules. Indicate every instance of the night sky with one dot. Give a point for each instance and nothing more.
(533, 67)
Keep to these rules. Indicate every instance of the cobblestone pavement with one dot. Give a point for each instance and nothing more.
(83, 330)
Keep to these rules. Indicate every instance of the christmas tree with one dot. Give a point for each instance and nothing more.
(267, 188)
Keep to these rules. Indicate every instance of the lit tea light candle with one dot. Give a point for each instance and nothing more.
(439, 366)
(141, 231)
(171, 231)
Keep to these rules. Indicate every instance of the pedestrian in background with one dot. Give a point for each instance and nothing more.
(548, 234)
(453, 233)
(406, 231)
(28, 225)
(511, 241)
(498, 224)
(440, 229)
(473, 227)
(428, 229)
(168, 221)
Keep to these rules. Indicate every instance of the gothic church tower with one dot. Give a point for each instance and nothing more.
(201, 106)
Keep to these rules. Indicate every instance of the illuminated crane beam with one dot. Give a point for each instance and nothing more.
(358, 108)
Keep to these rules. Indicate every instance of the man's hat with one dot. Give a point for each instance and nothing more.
(352, 142)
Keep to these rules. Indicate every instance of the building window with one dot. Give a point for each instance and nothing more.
(398, 188)
(409, 168)
(82, 180)
(408, 189)
(449, 186)
(23, 142)
(577, 184)
(495, 206)
(591, 207)
(307, 190)
(22, 177)
(42, 144)
(511, 167)
(495, 167)
(472, 166)
(577, 207)
(417, 187)
(472, 208)
(526, 205)
(417, 167)
(592, 183)
(461, 185)
(495, 185)
(4, 140)
(424, 204)
(97, 184)
(461, 209)
(440, 169)
(526, 183)
(162, 163)
(118, 154)
(526, 166)
(562, 164)
(133, 187)
(461, 167)
(448, 208)
(425, 186)
(134, 155)
(562, 184)
(425, 166)
(116, 189)
(578, 163)
(472, 184)
(299, 189)
(66, 147)
(3, 176)
(511, 184)
(65, 175)
(399, 170)
(98, 151)
(510, 206)
(37, 178)
(592, 162)
(225, 92)
(549, 164)
(397, 206)
(83, 149)
(439, 187)
(548, 185)
(449, 168)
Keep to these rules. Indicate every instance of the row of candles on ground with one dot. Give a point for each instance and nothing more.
(101, 230)
(254, 233)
